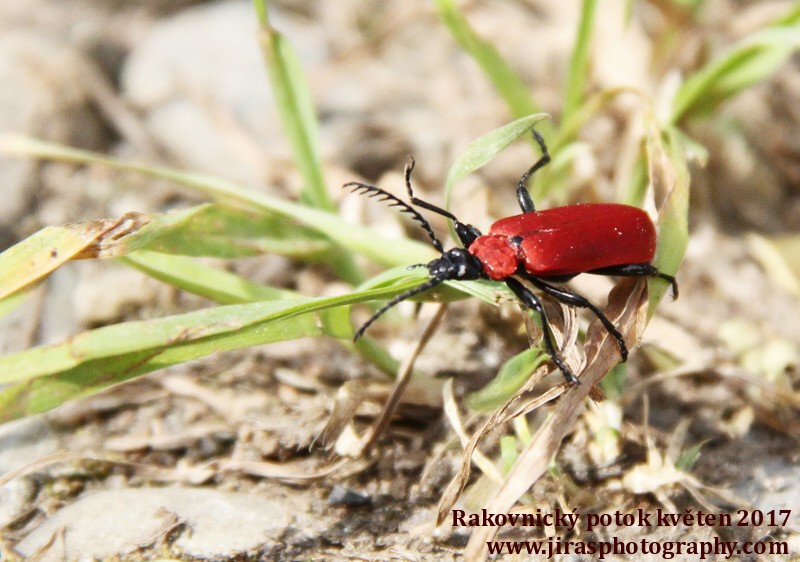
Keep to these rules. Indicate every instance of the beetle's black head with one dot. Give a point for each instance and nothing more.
(455, 264)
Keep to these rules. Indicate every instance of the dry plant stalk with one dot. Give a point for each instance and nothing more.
(627, 308)
(563, 322)
(347, 442)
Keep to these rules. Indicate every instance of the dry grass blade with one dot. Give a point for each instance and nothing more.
(515, 406)
(403, 378)
(195, 474)
(452, 414)
(563, 322)
(627, 307)
(43, 550)
(277, 471)
(338, 428)
(348, 398)
(38, 256)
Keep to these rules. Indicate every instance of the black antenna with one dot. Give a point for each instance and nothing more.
(372, 191)
(429, 284)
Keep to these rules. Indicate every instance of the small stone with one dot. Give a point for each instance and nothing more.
(345, 497)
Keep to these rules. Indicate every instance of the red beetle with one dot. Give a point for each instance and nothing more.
(540, 247)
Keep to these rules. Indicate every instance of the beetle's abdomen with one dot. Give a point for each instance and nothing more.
(578, 238)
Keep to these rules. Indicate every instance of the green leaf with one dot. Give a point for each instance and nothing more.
(689, 457)
(485, 148)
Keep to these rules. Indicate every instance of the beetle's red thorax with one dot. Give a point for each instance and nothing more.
(567, 240)
(498, 256)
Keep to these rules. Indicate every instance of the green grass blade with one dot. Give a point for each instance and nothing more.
(634, 190)
(10, 303)
(509, 380)
(673, 217)
(199, 279)
(227, 232)
(485, 148)
(213, 231)
(352, 237)
(507, 82)
(508, 452)
(149, 335)
(752, 60)
(39, 394)
(228, 288)
(579, 63)
(204, 230)
(261, 9)
(42, 377)
(295, 108)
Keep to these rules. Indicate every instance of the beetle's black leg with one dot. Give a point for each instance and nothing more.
(410, 163)
(638, 270)
(524, 198)
(574, 299)
(466, 232)
(530, 300)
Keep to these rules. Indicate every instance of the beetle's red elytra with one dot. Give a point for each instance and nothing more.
(537, 248)
(567, 240)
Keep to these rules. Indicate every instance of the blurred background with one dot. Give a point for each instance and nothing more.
(713, 389)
